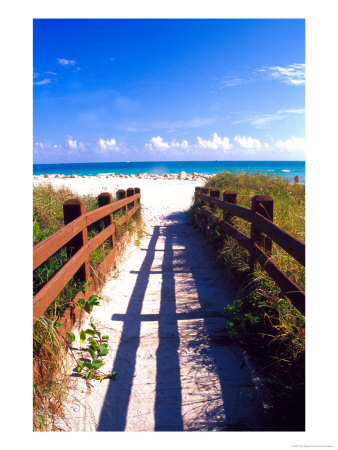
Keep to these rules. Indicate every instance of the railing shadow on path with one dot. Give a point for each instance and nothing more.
(233, 403)
(114, 413)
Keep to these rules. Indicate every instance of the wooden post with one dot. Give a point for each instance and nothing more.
(120, 194)
(130, 193)
(105, 198)
(72, 209)
(137, 191)
(231, 197)
(204, 191)
(216, 194)
(263, 204)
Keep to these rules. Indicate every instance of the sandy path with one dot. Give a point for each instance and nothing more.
(164, 313)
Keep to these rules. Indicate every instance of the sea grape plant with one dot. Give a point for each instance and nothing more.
(87, 306)
(97, 347)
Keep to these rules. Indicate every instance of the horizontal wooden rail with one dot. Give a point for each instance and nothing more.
(290, 244)
(289, 288)
(46, 248)
(74, 234)
(258, 246)
(127, 216)
(47, 294)
(97, 240)
(99, 213)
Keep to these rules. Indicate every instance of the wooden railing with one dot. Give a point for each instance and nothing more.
(263, 232)
(74, 236)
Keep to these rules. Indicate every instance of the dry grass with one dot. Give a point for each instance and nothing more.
(261, 318)
(50, 375)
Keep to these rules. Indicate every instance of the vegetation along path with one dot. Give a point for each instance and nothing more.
(164, 312)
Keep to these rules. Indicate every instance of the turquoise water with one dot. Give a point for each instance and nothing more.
(285, 169)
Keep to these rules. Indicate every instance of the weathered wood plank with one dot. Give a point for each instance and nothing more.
(100, 237)
(288, 287)
(290, 244)
(46, 248)
(99, 213)
(49, 292)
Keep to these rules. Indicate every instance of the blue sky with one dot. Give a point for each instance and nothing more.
(167, 89)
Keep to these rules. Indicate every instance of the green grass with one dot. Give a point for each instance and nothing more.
(289, 211)
(50, 380)
(261, 318)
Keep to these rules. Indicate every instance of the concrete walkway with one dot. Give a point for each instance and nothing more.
(164, 313)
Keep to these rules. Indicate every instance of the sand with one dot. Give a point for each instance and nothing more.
(164, 312)
(159, 197)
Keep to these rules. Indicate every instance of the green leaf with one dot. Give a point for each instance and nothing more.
(90, 332)
(60, 325)
(89, 374)
(100, 377)
(92, 299)
(112, 376)
(87, 308)
(88, 365)
(97, 363)
(81, 301)
(92, 353)
(103, 349)
(93, 326)
(94, 344)
(71, 336)
(82, 336)
(79, 367)
(105, 337)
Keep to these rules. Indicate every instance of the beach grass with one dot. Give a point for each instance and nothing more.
(50, 377)
(261, 317)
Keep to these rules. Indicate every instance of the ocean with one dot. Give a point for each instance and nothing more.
(285, 169)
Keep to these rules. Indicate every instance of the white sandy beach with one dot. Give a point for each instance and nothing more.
(163, 309)
(159, 196)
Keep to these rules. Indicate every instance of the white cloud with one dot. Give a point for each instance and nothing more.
(217, 143)
(264, 119)
(72, 143)
(233, 81)
(66, 62)
(291, 111)
(292, 144)
(108, 144)
(248, 142)
(42, 82)
(159, 144)
(261, 120)
(46, 146)
(293, 74)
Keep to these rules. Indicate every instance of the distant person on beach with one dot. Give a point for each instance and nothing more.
(296, 178)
